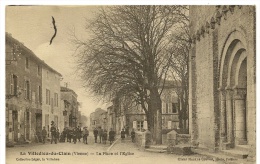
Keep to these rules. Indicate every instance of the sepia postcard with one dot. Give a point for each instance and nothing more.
(130, 84)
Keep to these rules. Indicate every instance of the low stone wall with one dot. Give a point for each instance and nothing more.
(143, 139)
(183, 139)
(178, 143)
(164, 139)
(138, 138)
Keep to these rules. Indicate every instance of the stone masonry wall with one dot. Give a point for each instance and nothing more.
(210, 28)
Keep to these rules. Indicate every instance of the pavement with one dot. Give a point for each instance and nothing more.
(120, 152)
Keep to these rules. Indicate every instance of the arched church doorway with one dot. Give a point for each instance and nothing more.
(233, 92)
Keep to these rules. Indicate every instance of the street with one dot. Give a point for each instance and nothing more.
(121, 152)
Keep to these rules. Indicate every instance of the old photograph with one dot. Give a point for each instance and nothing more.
(123, 84)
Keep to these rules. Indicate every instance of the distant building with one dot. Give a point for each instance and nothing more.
(71, 106)
(130, 115)
(98, 119)
(111, 118)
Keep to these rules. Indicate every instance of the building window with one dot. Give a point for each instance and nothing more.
(167, 107)
(48, 96)
(52, 109)
(174, 107)
(56, 100)
(27, 62)
(140, 125)
(47, 74)
(40, 93)
(39, 70)
(13, 84)
(27, 90)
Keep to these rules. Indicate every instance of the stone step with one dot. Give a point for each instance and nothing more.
(210, 155)
(241, 154)
(182, 149)
(155, 150)
(160, 147)
(243, 147)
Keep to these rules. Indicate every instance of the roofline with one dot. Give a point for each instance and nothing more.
(8, 36)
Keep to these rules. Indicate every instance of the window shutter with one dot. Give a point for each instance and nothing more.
(30, 91)
(163, 107)
(145, 125)
(17, 87)
(169, 124)
(134, 125)
(170, 107)
(25, 90)
(11, 84)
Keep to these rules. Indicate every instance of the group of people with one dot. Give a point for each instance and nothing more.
(69, 134)
(103, 136)
(55, 134)
(74, 134)
(125, 133)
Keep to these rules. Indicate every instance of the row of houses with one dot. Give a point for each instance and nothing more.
(126, 114)
(34, 96)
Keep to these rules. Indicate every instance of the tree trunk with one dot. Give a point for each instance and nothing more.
(155, 106)
(150, 122)
(180, 112)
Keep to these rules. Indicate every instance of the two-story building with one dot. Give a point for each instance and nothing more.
(23, 92)
(50, 97)
(132, 116)
(98, 119)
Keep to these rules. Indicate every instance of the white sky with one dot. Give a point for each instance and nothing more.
(32, 25)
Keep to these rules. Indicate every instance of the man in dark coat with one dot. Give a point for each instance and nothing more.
(100, 134)
(123, 134)
(133, 135)
(127, 131)
(79, 133)
(53, 133)
(44, 134)
(85, 135)
(104, 136)
(111, 135)
(95, 134)
(74, 135)
(57, 135)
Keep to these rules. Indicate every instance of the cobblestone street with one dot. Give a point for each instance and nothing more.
(121, 152)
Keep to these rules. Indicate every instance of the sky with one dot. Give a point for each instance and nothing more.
(32, 25)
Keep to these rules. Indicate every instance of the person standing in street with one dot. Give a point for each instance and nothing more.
(57, 135)
(79, 133)
(85, 135)
(105, 136)
(70, 134)
(44, 134)
(53, 133)
(111, 136)
(127, 131)
(100, 134)
(95, 134)
(133, 135)
(122, 135)
(74, 136)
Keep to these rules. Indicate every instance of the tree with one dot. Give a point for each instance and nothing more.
(179, 69)
(129, 53)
